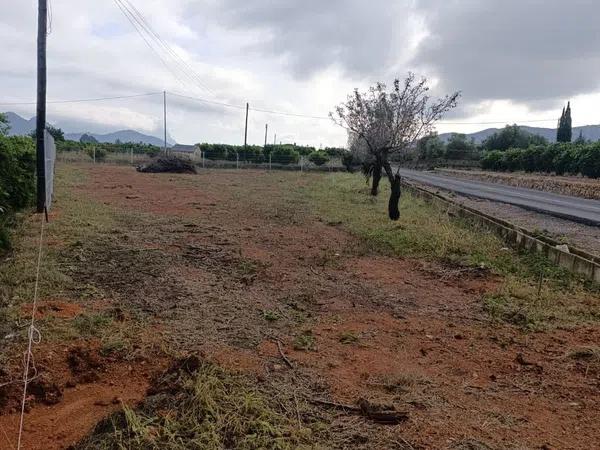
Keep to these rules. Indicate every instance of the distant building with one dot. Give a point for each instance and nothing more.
(187, 151)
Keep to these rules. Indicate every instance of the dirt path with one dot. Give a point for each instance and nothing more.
(238, 266)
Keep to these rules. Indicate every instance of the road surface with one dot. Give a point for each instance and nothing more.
(573, 208)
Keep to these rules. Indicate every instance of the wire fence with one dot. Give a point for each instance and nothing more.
(50, 157)
(132, 159)
(240, 160)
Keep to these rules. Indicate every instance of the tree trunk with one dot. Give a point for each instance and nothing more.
(376, 179)
(393, 209)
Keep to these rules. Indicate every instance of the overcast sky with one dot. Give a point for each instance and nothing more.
(513, 60)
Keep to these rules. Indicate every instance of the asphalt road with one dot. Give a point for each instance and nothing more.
(573, 208)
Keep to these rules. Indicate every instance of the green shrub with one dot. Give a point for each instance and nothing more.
(492, 160)
(17, 172)
(559, 158)
(318, 158)
(350, 161)
(97, 153)
(335, 152)
(17, 180)
(284, 154)
(589, 160)
(511, 160)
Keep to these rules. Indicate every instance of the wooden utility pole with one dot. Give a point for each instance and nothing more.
(165, 119)
(246, 129)
(41, 105)
(266, 131)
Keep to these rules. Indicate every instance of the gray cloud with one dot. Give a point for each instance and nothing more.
(528, 51)
(303, 56)
(360, 37)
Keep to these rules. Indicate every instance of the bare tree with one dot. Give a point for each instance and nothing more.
(389, 123)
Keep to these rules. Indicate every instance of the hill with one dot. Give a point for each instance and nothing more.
(590, 132)
(122, 136)
(20, 126)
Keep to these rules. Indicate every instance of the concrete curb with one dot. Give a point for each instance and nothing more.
(576, 260)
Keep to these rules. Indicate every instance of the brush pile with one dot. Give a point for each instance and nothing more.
(168, 164)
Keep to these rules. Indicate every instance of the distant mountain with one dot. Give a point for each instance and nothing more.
(122, 136)
(87, 139)
(20, 127)
(590, 132)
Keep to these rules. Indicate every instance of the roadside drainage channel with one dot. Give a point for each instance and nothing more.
(575, 260)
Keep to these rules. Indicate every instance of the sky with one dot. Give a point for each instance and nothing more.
(513, 61)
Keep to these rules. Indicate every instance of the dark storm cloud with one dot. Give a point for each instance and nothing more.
(535, 52)
(528, 51)
(312, 35)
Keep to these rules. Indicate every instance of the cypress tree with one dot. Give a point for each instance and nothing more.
(564, 130)
(568, 124)
(559, 127)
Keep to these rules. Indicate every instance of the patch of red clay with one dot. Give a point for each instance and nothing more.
(52, 308)
(175, 199)
(84, 386)
(236, 359)
(64, 424)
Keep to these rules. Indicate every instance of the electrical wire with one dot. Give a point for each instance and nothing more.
(161, 48)
(203, 100)
(132, 22)
(189, 70)
(82, 100)
(229, 105)
(282, 113)
(266, 111)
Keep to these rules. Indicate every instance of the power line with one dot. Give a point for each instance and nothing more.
(282, 113)
(203, 100)
(132, 22)
(266, 111)
(229, 105)
(178, 59)
(82, 100)
(157, 44)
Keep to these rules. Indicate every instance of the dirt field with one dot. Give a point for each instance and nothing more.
(249, 271)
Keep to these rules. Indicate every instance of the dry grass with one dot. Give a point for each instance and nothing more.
(208, 409)
(427, 232)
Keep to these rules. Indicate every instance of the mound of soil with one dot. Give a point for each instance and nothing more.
(84, 364)
(45, 391)
(170, 164)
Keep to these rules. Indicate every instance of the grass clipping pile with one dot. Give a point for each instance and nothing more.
(195, 404)
(169, 164)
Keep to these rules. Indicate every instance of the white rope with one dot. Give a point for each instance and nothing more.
(34, 336)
